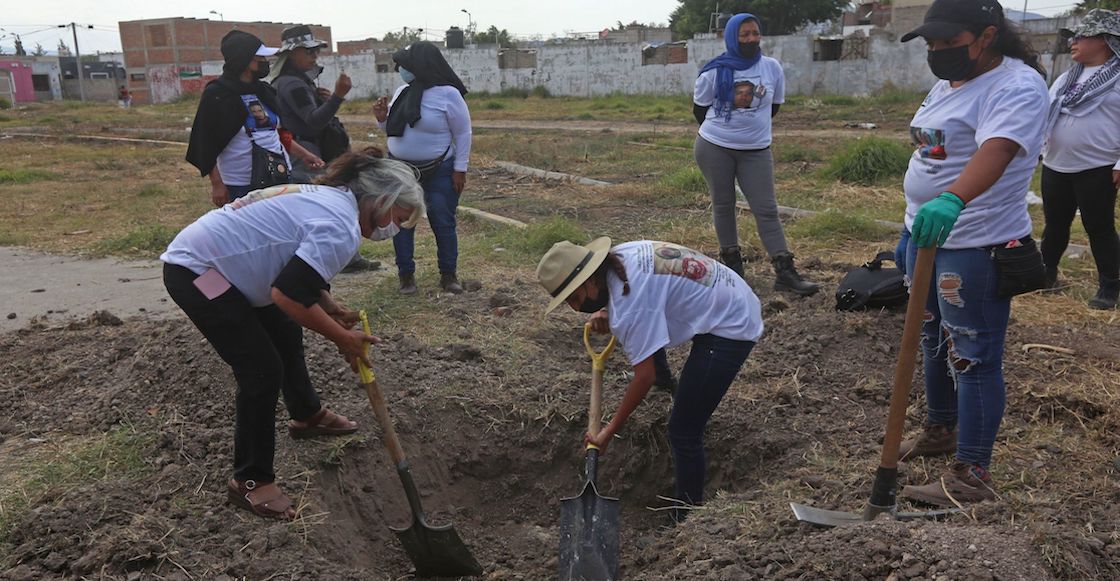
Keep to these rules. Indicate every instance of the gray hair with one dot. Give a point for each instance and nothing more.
(377, 183)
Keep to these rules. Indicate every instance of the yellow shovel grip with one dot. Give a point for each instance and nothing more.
(598, 360)
(363, 370)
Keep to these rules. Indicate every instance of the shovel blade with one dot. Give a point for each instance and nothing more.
(589, 537)
(437, 551)
(824, 518)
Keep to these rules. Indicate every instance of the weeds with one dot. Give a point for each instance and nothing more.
(687, 179)
(151, 190)
(793, 152)
(23, 176)
(147, 240)
(869, 161)
(832, 226)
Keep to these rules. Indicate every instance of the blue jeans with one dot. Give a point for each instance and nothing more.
(712, 365)
(442, 201)
(962, 341)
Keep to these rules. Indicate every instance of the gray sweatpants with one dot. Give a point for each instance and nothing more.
(755, 171)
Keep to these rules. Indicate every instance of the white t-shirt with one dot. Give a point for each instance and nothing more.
(748, 127)
(250, 240)
(950, 126)
(1087, 137)
(677, 293)
(444, 125)
(235, 162)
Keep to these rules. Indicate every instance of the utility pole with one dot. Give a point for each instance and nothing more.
(78, 56)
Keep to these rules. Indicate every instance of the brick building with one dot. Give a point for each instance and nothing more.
(164, 56)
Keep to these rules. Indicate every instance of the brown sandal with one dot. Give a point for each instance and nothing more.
(323, 423)
(264, 500)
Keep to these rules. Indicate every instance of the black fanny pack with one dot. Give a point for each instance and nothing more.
(425, 170)
(872, 286)
(1019, 266)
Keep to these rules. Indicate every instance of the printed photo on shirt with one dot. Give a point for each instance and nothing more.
(744, 94)
(259, 118)
(264, 194)
(930, 142)
(683, 262)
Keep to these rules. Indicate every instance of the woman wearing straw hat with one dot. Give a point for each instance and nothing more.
(1079, 166)
(653, 295)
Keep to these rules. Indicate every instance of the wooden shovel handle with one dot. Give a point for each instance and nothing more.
(377, 402)
(907, 355)
(598, 366)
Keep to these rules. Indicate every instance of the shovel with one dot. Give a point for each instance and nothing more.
(589, 521)
(434, 551)
(884, 490)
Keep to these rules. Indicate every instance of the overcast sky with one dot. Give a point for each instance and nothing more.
(36, 21)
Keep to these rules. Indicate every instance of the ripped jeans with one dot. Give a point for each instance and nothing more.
(962, 342)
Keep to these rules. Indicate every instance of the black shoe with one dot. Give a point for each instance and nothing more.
(1107, 295)
(450, 283)
(733, 259)
(408, 283)
(360, 264)
(788, 279)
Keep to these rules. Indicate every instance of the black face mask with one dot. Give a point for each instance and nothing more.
(748, 49)
(594, 305)
(951, 64)
(263, 68)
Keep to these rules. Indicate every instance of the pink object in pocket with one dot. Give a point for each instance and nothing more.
(212, 284)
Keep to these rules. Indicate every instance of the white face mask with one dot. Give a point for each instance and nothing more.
(406, 75)
(385, 232)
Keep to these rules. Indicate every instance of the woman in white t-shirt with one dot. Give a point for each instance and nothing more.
(429, 126)
(736, 95)
(1081, 160)
(253, 273)
(977, 138)
(654, 295)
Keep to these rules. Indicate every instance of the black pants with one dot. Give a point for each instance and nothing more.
(1093, 192)
(265, 349)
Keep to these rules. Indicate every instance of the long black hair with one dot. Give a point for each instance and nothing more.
(1011, 42)
(612, 263)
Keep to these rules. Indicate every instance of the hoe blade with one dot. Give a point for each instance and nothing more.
(437, 551)
(589, 537)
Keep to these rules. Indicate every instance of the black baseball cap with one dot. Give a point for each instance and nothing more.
(948, 18)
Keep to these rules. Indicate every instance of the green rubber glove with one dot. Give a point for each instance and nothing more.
(935, 220)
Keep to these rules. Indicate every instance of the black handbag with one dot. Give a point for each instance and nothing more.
(269, 168)
(333, 140)
(872, 286)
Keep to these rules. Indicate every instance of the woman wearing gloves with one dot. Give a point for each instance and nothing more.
(1079, 168)
(978, 141)
(734, 99)
(429, 126)
(653, 295)
(253, 273)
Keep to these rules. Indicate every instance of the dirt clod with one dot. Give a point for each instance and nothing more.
(502, 300)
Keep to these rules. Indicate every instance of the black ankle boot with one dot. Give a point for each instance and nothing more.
(787, 278)
(450, 283)
(733, 259)
(408, 283)
(1107, 295)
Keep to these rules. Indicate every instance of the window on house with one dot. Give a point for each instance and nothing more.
(157, 35)
(138, 76)
(856, 47)
(382, 68)
(41, 82)
(516, 58)
(99, 75)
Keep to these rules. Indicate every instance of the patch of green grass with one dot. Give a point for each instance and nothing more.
(116, 455)
(337, 448)
(832, 226)
(869, 161)
(585, 116)
(23, 176)
(541, 92)
(151, 190)
(792, 152)
(838, 100)
(687, 179)
(493, 105)
(146, 240)
(5, 103)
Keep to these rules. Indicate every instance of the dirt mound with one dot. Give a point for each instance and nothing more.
(493, 441)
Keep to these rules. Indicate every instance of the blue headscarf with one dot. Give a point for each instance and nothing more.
(729, 62)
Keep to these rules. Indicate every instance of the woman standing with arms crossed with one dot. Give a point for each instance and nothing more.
(1080, 168)
(966, 194)
(429, 127)
(735, 97)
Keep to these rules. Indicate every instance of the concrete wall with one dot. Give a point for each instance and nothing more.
(22, 91)
(95, 89)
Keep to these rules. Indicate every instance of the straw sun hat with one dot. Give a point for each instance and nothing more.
(566, 266)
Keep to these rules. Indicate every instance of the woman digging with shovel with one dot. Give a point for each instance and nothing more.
(654, 295)
(253, 273)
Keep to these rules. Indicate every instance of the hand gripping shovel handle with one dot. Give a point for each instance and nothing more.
(595, 412)
(377, 401)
